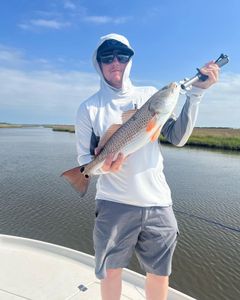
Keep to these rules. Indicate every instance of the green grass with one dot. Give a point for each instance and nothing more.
(8, 125)
(207, 137)
(218, 138)
(65, 128)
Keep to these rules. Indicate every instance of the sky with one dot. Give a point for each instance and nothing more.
(46, 48)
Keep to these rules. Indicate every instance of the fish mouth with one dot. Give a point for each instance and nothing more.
(173, 85)
(170, 86)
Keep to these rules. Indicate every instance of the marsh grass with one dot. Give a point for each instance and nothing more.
(207, 137)
(219, 138)
(65, 128)
(8, 125)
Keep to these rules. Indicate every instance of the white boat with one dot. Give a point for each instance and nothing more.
(36, 270)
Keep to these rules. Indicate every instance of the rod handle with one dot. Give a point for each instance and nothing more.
(221, 61)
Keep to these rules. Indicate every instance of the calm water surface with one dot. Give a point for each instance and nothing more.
(36, 203)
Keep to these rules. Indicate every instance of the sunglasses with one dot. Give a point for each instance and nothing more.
(108, 59)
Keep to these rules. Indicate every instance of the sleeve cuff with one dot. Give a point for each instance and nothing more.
(195, 92)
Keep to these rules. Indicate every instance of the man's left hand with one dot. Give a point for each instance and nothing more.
(212, 71)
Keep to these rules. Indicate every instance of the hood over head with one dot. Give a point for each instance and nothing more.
(108, 43)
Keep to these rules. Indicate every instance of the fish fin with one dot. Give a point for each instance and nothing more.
(77, 180)
(155, 135)
(128, 114)
(111, 130)
(114, 127)
(151, 124)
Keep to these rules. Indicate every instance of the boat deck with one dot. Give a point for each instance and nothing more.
(31, 269)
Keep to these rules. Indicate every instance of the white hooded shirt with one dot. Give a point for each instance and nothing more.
(141, 180)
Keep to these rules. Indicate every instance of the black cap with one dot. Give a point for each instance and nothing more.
(110, 45)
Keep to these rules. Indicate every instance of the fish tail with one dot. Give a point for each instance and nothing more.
(78, 179)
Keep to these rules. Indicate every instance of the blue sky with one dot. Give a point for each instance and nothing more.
(46, 49)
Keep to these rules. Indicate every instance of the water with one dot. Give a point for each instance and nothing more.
(36, 203)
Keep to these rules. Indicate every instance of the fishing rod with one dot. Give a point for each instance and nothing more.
(221, 61)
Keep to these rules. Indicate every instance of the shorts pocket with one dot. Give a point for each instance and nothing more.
(96, 208)
(98, 204)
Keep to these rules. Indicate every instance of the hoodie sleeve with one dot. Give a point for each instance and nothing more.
(86, 140)
(178, 130)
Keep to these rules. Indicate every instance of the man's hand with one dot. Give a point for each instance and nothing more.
(111, 165)
(212, 71)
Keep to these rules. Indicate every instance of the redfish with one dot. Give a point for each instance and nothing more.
(139, 128)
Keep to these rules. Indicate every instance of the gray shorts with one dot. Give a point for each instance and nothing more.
(120, 229)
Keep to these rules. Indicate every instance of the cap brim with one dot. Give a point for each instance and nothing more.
(124, 50)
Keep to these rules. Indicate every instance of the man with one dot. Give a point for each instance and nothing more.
(133, 200)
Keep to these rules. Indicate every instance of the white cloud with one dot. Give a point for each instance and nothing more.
(52, 94)
(121, 20)
(220, 106)
(37, 91)
(64, 14)
(69, 4)
(57, 25)
(10, 56)
(106, 19)
(227, 87)
(23, 86)
(44, 23)
(40, 95)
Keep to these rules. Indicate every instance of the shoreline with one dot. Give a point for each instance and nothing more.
(201, 137)
(219, 138)
(10, 125)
